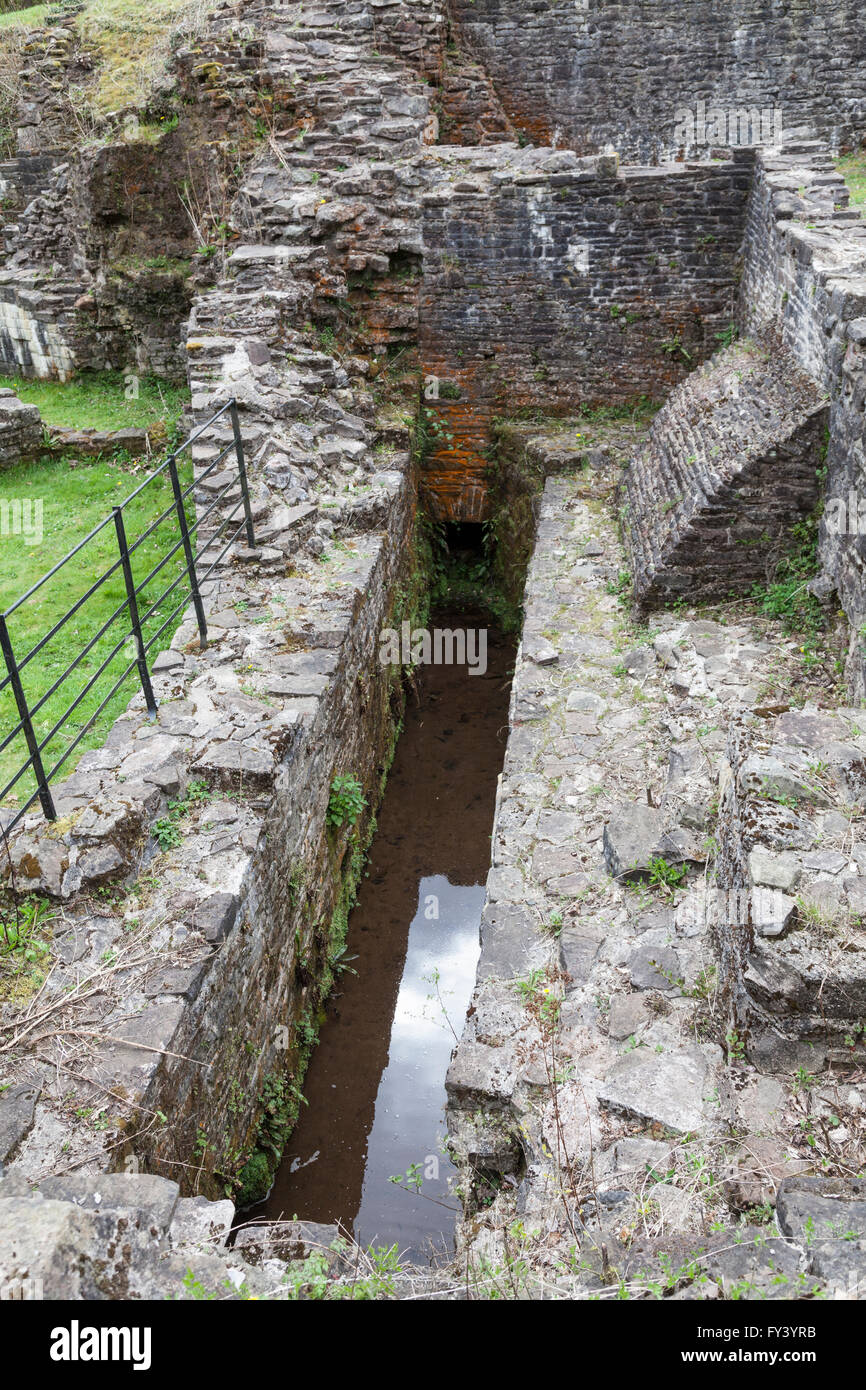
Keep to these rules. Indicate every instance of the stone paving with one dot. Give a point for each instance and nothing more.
(599, 1096)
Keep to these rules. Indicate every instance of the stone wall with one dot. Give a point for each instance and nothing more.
(223, 958)
(97, 262)
(266, 983)
(791, 961)
(601, 1053)
(55, 65)
(552, 283)
(587, 73)
(805, 273)
(104, 215)
(21, 434)
(217, 1010)
(728, 471)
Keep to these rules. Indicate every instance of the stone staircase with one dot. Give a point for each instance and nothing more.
(728, 469)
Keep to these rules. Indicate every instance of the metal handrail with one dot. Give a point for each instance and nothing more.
(16, 666)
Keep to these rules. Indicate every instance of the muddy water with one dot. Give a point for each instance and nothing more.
(375, 1086)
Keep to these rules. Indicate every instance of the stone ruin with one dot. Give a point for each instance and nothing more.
(539, 215)
(729, 468)
(21, 435)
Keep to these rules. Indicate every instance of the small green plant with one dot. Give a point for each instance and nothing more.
(22, 927)
(621, 586)
(705, 984)
(736, 1046)
(373, 1278)
(773, 793)
(788, 597)
(340, 962)
(727, 336)
(528, 988)
(554, 923)
(196, 1289)
(675, 981)
(412, 1179)
(166, 831)
(346, 802)
(803, 1080)
(665, 875)
(675, 345)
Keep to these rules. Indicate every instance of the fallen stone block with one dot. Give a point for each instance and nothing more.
(289, 1241)
(828, 1217)
(215, 917)
(199, 1222)
(635, 835)
(17, 1110)
(667, 1089)
(147, 1199)
(480, 1074)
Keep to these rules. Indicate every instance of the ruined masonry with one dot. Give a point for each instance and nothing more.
(442, 217)
(729, 469)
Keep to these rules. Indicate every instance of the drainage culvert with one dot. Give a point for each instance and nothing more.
(369, 1149)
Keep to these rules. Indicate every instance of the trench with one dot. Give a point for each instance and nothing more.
(375, 1088)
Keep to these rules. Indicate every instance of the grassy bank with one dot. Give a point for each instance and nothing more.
(45, 510)
(28, 18)
(98, 401)
(131, 41)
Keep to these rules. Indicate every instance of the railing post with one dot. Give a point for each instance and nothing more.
(26, 722)
(242, 469)
(188, 552)
(132, 604)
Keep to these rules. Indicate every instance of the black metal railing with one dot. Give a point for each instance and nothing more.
(135, 608)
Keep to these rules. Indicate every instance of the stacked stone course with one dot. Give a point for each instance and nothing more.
(729, 469)
(587, 73)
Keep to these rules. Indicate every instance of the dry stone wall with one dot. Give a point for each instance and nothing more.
(53, 60)
(21, 433)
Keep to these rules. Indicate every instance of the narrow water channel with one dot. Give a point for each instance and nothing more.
(375, 1085)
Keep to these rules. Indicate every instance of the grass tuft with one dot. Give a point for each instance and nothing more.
(853, 169)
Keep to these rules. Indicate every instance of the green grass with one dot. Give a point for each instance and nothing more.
(96, 400)
(131, 41)
(30, 18)
(75, 496)
(25, 947)
(853, 169)
(788, 598)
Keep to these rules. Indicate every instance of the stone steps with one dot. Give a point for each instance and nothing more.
(728, 468)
